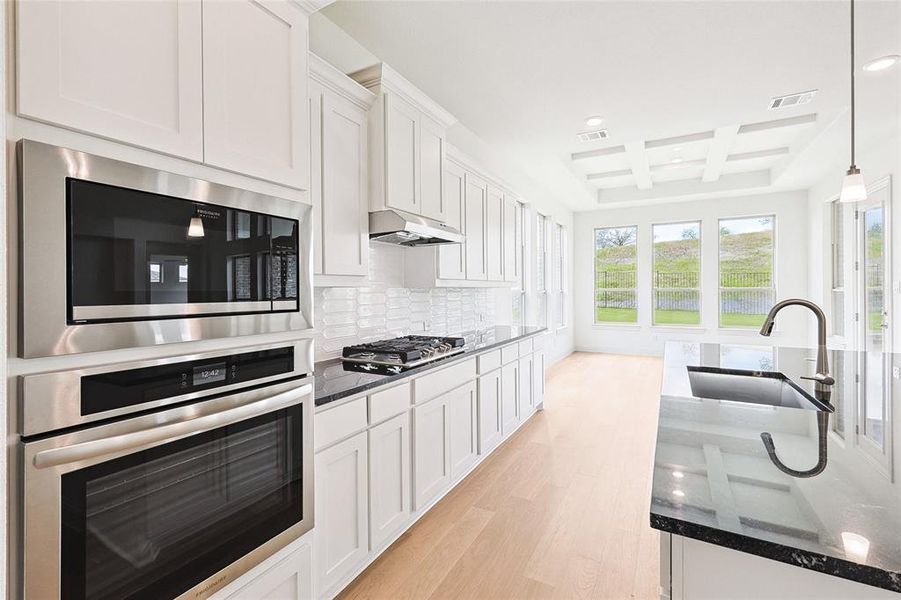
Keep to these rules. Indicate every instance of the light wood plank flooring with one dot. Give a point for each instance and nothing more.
(558, 511)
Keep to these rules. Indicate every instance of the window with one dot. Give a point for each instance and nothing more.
(838, 269)
(677, 273)
(183, 273)
(746, 256)
(156, 273)
(560, 273)
(541, 268)
(519, 295)
(615, 268)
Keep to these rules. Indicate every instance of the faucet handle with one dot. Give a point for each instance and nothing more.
(824, 378)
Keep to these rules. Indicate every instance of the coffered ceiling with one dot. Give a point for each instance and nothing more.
(696, 76)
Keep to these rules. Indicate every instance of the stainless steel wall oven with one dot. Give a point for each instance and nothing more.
(165, 478)
(117, 255)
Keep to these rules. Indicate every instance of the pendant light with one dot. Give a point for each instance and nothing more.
(853, 187)
(195, 227)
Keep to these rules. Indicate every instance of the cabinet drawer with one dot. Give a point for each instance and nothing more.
(336, 423)
(390, 402)
(509, 353)
(489, 362)
(434, 384)
(525, 347)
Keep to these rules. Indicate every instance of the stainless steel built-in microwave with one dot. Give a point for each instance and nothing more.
(117, 255)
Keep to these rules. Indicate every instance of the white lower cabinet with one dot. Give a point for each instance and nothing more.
(491, 426)
(526, 398)
(288, 579)
(431, 449)
(509, 395)
(342, 508)
(538, 378)
(389, 479)
(464, 442)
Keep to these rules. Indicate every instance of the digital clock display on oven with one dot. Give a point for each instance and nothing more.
(209, 373)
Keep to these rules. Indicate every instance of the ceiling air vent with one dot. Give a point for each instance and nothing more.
(792, 100)
(591, 136)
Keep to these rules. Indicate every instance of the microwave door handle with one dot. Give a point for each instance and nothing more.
(86, 450)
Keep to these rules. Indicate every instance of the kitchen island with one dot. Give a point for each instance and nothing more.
(823, 510)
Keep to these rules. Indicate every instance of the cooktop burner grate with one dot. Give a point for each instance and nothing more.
(407, 350)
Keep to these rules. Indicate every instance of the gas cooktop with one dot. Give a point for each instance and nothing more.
(400, 354)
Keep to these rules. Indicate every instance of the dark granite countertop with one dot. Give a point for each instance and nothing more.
(333, 382)
(715, 481)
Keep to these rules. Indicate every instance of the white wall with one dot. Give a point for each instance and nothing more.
(792, 328)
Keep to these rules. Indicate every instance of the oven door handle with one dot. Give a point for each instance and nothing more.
(86, 450)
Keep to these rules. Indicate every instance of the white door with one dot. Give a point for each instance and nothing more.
(401, 155)
(288, 579)
(874, 307)
(509, 396)
(464, 442)
(526, 397)
(431, 169)
(345, 207)
(389, 477)
(431, 450)
(342, 509)
(255, 81)
(510, 240)
(452, 257)
(474, 224)
(491, 429)
(128, 71)
(494, 236)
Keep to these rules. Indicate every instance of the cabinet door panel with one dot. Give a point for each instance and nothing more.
(538, 378)
(389, 477)
(341, 510)
(491, 427)
(431, 451)
(510, 240)
(255, 90)
(401, 155)
(128, 71)
(526, 398)
(510, 394)
(431, 169)
(474, 224)
(317, 91)
(494, 237)
(452, 257)
(345, 207)
(288, 579)
(464, 445)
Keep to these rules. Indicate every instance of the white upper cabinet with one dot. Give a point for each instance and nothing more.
(511, 239)
(401, 155)
(431, 169)
(339, 184)
(451, 257)
(407, 145)
(476, 198)
(494, 233)
(129, 71)
(255, 90)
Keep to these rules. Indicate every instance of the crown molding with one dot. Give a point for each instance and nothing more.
(382, 78)
(331, 77)
(311, 6)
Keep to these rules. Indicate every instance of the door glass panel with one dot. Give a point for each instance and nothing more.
(155, 523)
(129, 247)
(874, 332)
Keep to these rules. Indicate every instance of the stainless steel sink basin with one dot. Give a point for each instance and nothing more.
(767, 388)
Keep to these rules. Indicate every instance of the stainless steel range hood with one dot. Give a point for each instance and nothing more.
(406, 229)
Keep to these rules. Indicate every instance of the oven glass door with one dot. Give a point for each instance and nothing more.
(154, 523)
(138, 255)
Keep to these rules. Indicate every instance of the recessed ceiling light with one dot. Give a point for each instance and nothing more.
(594, 121)
(882, 63)
(676, 160)
(679, 493)
(678, 474)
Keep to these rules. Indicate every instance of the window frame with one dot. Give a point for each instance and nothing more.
(594, 279)
(541, 278)
(560, 259)
(719, 272)
(700, 323)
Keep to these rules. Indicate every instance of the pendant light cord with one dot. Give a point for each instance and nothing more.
(852, 84)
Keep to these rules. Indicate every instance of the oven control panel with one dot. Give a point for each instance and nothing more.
(118, 389)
